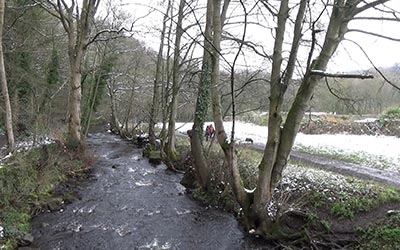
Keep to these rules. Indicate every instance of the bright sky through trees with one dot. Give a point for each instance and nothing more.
(349, 57)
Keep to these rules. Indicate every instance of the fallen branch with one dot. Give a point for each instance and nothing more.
(340, 75)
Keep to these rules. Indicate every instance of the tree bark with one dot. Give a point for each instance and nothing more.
(156, 90)
(78, 38)
(202, 103)
(176, 81)
(335, 34)
(4, 87)
(281, 139)
(263, 192)
(74, 120)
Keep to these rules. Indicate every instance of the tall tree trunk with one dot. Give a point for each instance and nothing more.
(165, 86)
(74, 120)
(264, 191)
(4, 87)
(202, 103)
(77, 28)
(176, 82)
(114, 123)
(281, 139)
(156, 91)
(222, 137)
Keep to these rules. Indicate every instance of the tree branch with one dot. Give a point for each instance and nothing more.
(340, 75)
(375, 34)
(368, 6)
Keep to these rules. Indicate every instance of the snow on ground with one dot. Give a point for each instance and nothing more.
(366, 120)
(387, 147)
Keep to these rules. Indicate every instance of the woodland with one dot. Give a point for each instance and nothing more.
(68, 66)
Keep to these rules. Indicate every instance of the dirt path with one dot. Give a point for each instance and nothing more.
(383, 176)
(130, 204)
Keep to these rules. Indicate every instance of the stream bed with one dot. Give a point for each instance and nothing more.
(131, 204)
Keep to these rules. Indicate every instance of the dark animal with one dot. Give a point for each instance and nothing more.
(248, 140)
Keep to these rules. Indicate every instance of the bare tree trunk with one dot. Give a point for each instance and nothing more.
(76, 23)
(222, 137)
(114, 124)
(176, 81)
(281, 139)
(156, 92)
(93, 97)
(166, 77)
(4, 87)
(74, 120)
(336, 30)
(264, 192)
(202, 103)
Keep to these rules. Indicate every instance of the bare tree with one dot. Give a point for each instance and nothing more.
(202, 103)
(281, 135)
(76, 22)
(4, 87)
(158, 78)
(176, 81)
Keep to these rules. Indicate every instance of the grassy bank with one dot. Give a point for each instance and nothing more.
(36, 181)
(367, 211)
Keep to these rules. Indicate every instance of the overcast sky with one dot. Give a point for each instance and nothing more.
(349, 57)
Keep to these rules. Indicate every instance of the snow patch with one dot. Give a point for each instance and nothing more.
(385, 146)
(366, 120)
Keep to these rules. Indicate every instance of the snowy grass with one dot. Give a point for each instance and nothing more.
(381, 152)
(369, 160)
(25, 145)
(340, 195)
(343, 196)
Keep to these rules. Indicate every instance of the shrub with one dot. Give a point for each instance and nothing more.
(390, 115)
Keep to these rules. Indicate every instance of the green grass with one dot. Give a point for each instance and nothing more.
(26, 184)
(351, 203)
(342, 196)
(317, 191)
(390, 115)
(384, 235)
(248, 161)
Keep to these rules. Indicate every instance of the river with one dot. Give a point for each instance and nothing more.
(131, 204)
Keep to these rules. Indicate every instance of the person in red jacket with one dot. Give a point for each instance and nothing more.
(210, 131)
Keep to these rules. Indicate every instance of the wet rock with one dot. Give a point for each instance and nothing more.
(122, 231)
(75, 227)
(55, 204)
(69, 198)
(27, 240)
(393, 212)
(44, 224)
(155, 157)
(189, 179)
(28, 248)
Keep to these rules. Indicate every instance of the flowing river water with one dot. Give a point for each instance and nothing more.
(130, 204)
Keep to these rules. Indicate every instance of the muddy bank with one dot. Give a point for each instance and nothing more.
(130, 204)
